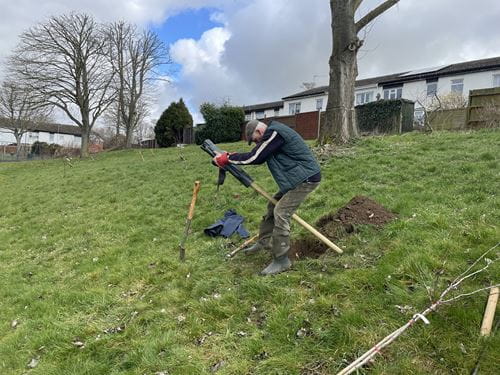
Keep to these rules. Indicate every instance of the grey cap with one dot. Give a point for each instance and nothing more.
(249, 129)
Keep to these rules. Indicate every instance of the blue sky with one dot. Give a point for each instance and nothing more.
(188, 24)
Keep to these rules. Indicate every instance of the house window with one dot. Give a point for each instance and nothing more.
(457, 85)
(294, 108)
(33, 137)
(319, 104)
(248, 116)
(364, 97)
(496, 80)
(432, 88)
(393, 93)
(51, 137)
(260, 114)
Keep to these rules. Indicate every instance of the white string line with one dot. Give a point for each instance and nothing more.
(360, 361)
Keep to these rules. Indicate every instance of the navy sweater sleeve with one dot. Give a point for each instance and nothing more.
(270, 143)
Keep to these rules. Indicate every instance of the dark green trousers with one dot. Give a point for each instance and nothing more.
(274, 231)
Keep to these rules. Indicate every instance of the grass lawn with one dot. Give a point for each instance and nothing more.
(89, 265)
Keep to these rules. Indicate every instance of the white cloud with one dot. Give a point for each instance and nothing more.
(16, 16)
(194, 55)
(276, 46)
(19, 15)
(255, 57)
(265, 49)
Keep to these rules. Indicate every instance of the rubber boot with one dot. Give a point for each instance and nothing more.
(279, 264)
(261, 244)
(254, 249)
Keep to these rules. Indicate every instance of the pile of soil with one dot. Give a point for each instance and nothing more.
(359, 210)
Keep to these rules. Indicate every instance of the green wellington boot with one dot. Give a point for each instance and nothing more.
(279, 264)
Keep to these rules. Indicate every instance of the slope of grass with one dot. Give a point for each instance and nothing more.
(89, 256)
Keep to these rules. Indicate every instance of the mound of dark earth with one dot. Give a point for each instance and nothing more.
(359, 211)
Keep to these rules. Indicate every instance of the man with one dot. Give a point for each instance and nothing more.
(297, 174)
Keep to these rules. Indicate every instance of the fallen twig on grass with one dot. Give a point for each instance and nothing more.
(367, 356)
(242, 246)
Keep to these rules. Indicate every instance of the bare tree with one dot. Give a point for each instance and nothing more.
(21, 111)
(134, 57)
(432, 105)
(64, 60)
(340, 125)
(489, 114)
(113, 119)
(452, 100)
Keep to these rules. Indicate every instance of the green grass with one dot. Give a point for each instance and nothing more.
(91, 248)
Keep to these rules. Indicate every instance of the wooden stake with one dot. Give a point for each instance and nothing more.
(182, 250)
(489, 312)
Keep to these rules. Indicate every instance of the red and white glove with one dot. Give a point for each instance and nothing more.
(222, 159)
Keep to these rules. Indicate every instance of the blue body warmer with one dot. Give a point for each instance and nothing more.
(225, 227)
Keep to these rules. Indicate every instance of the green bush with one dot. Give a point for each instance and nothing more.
(222, 123)
(385, 116)
(44, 149)
(170, 126)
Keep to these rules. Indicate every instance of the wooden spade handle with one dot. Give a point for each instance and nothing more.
(196, 189)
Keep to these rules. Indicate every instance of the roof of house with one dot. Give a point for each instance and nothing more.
(263, 106)
(311, 92)
(446, 70)
(413, 75)
(47, 127)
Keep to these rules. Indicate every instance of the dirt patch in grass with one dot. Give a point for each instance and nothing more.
(359, 210)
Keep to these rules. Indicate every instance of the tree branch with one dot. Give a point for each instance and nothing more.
(375, 13)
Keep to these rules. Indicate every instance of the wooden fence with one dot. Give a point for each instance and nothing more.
(484, 109)
(448, 119)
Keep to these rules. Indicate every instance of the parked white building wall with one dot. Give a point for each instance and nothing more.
(264, 110)
(65, 140)
(417, 90)
(418, 86)
(305, 104)
(262, 114)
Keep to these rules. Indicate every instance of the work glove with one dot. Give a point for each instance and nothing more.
(222, 159)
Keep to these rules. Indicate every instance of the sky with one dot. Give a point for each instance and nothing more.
(255, 51)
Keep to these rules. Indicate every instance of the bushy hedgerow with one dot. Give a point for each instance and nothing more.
(222, 123)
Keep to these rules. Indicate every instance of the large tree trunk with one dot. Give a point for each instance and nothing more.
(340, 125)
(86, 128)
(340, 120)
(19, 137)
(84, 152)
(128, 138)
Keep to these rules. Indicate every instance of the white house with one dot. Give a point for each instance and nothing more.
(65, 135)
(259, 111)
(417, 85)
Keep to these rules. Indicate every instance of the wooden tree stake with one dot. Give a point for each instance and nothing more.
(489, 312)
